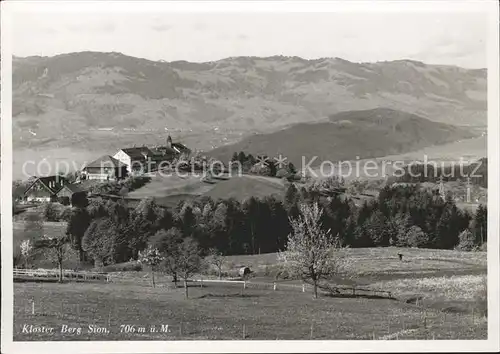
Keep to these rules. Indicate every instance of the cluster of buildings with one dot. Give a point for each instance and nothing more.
(126, 162)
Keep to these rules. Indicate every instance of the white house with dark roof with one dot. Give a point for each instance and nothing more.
(44, 189)
(135, 158)
(142, 158)
(105, 168)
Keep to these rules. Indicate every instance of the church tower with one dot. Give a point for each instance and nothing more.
(169, 142)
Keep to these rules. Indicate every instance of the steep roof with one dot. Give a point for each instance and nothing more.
(52, 183)
(180, 147)
(75, 187)
(177, 148)
(105, 161)
(138, 152)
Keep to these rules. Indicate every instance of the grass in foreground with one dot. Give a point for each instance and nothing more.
(226, 311)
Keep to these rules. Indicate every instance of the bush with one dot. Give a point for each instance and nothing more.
(466, 241)
(414, 237)
(50, 212)
(65, 214)
(282, 173)
(259, 169)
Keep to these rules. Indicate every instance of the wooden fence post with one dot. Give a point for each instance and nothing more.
(274, 286)
(244, 284)
(244, 334)
(303, 288)
(312, 329)
(33, 307)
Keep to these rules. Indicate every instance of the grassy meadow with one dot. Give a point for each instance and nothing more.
(436, 295)
(168, 190)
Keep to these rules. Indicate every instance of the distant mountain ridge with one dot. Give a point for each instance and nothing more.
(58, 100)
(348, 136)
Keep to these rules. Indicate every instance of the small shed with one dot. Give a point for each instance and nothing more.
(244, 271)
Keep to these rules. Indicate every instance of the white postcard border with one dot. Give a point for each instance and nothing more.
(8, 9)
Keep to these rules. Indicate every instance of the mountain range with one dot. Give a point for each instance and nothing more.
(97, 100)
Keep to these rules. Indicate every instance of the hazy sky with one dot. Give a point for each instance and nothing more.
(447, 38)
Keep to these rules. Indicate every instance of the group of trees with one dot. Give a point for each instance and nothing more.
(111, 232)
(120, 187)
(107, 232)
(266, 166)
(407, 216)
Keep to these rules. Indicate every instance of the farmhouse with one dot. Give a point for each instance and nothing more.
(44, 189)
(105, 168)
(71, 194)
(144, 159)
(135, 158)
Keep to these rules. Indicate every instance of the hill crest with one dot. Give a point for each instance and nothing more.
(68, 95)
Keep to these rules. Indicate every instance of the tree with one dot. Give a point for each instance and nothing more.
(99, 241)
(467, 241)
(415, 237)
(188, 260)
(291, 200)
(261, 169)
(251, 209)
(217, 259)
(312, 253)
(151, 257)
(397, 227)
(26, 251)
(167, 242)
(187, 220)
(378, 230)
(291, 168)
(55, 249)
(79, 221)
(480, 225)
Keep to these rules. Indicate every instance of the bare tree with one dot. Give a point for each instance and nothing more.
(56, 249)
(26, 251)
(188, 260)
(312, 254)
(217, 259)
(151, 257)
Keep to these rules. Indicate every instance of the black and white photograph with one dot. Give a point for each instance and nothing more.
(249, 176)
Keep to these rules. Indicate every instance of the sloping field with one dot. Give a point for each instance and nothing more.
(169, 190)
(438, 278)
(161, 186)
(244, 187)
